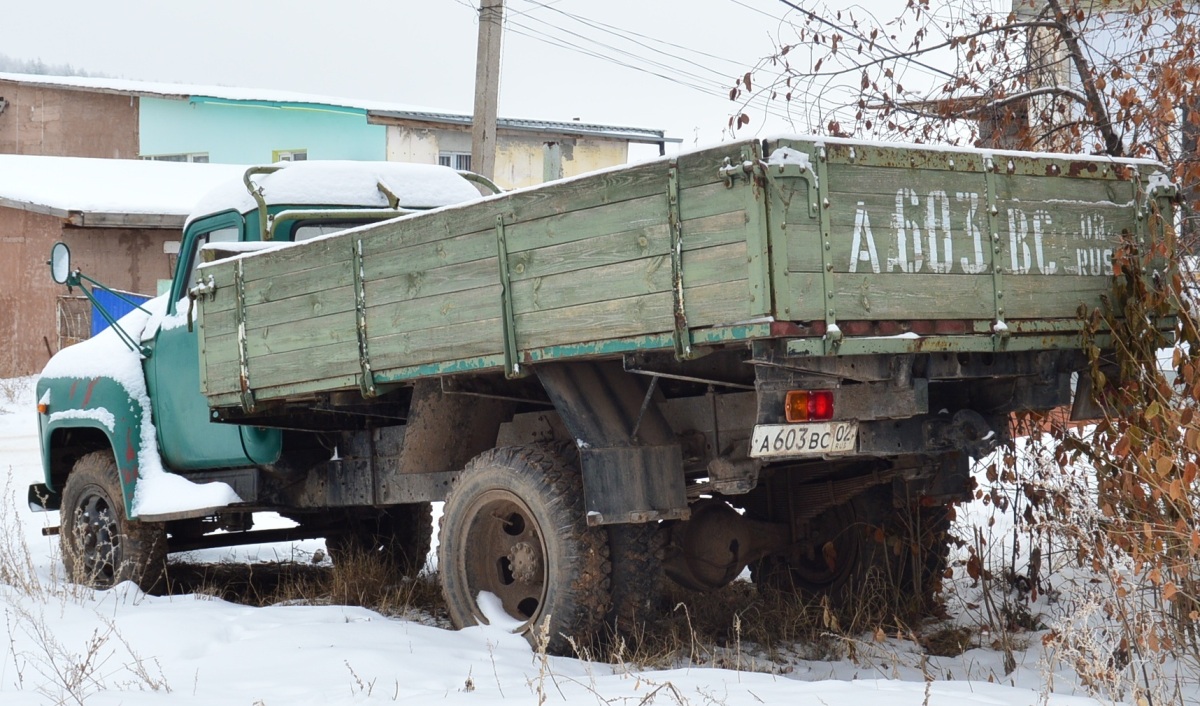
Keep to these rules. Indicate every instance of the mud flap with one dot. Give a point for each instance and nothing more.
(632, 463)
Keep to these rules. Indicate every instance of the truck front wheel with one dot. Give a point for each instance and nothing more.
(514, 527)
(101, 547)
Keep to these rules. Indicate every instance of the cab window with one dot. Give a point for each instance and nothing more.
(228, 234)
(307, 230)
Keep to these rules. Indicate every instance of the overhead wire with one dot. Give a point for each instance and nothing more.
(682, 79)
(626, 33)
(698, 76)
(716, 83)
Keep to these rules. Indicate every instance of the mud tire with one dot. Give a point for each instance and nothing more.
(638, 581)
(514, 525)
(101, 547)
(847, 559)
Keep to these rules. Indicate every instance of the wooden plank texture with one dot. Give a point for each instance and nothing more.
(589, 260)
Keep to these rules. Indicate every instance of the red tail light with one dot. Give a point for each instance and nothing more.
(808, 405)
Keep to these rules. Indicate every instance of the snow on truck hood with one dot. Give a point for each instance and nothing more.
(343, 183)
(106, 356)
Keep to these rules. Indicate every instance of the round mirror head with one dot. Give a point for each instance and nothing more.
(60, 263)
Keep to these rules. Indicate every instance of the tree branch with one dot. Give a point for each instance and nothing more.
(1112, 141)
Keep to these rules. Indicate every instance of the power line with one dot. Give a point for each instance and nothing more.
(686, 80)
(627, 33)
(633, 55)
(714, 83)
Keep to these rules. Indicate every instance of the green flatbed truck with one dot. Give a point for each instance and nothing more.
(769, 354)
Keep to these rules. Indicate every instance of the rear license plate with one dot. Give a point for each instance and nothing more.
(790, 440)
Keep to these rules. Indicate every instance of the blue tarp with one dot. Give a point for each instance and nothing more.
(114, 305)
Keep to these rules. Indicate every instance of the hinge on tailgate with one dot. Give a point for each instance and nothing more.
(683, 336)
(512, 361)
(1000, 330)
(367, 381)
(833, 334)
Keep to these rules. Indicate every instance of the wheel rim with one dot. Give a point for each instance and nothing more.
(504, 553)
(833, 557)
(97, 537)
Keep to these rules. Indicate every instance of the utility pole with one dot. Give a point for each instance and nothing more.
(487, 88)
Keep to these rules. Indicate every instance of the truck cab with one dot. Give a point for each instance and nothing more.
(126, 407)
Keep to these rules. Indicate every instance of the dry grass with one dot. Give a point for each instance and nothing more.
(358, 580)
(12, 390)
(742, 627)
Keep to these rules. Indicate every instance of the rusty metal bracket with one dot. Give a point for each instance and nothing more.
(683, 335)
(512, 360)
(731, 172)
(633, 433)
(239, 312)
(367, 382)
(205, 288)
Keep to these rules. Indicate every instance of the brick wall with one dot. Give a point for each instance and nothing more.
(127, 259)
(67, 123)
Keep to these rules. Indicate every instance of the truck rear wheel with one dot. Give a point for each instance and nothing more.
(867, 548)
(400, 535)
(513, 526)
(638, 586)
(845, 555)
(101, 547)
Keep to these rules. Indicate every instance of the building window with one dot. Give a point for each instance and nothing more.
(289, 156)
(455, 160)
(199, 157)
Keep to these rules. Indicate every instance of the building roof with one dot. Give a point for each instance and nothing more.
(574, 127)
(374, 109)
(108, 193)
(181, 91)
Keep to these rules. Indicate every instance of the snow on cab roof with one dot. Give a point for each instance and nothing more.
(342, 183)
(108, 192)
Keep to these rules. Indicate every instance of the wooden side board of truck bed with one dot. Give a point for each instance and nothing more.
(841, 247)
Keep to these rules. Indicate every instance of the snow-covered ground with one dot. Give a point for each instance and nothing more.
(66, 644)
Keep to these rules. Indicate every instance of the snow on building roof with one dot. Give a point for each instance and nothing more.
(573, 127)
(181, 91)
(108, 192)
(379, 109)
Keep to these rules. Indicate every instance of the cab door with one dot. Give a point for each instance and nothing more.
(188, 438)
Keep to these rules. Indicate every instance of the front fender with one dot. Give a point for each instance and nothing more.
(100, 404)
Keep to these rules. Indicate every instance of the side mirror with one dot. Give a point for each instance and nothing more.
(60, 263)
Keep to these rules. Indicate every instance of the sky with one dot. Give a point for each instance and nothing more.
(423, 53)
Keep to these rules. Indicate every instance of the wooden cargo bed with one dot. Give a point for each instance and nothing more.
(955, 250)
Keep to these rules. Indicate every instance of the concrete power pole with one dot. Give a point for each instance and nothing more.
(487, 88)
